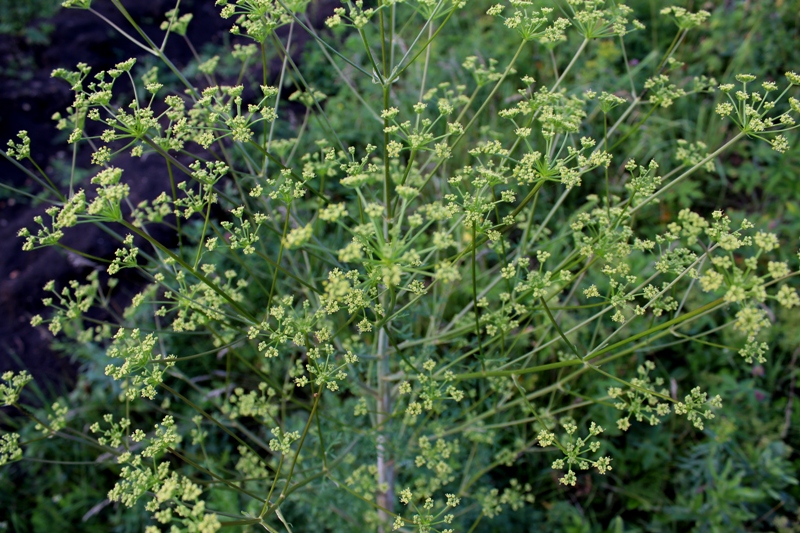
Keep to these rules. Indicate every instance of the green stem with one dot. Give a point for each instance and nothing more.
(558, 328)
(278, 262)
(688, 173)
(575, 362)
(284, 493)
(475, 297)
(213, 286)
(213, 420)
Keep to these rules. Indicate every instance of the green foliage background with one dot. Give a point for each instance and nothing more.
(739, 474)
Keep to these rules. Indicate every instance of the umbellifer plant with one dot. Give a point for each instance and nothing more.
(356, 330)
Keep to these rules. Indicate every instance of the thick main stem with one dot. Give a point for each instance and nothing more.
(385, 494)
(384, 498)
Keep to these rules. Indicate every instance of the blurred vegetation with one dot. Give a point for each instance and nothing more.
(24, 17)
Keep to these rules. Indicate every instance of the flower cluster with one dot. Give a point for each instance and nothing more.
(12, 386)
(9, 448)
(574, 449)
(752, 111)
(425, 519)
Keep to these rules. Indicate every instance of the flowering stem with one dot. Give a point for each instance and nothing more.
(153, 48)
(212, 474)
(387, 189)
(278, 262)
(475, 297)
(475, 524)
(424, 46)
(479, 111)
(203, 233)
(123, 33)
(213, 286)
(209, 417)
(688, 173)
(558, 328)
(575, 362)
(308, 28)
(284, 493)
(50, 186)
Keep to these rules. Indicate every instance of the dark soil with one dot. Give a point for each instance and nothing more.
(27, 102)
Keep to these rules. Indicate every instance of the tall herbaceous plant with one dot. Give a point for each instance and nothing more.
(375, 301)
